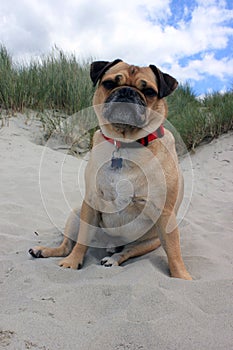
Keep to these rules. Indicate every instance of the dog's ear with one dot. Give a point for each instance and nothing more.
(166, 83)
(98, 68)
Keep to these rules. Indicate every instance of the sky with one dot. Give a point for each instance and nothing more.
(192, 39)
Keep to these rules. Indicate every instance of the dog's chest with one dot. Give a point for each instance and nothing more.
(128, 186)
(120, 186)
(127, 197)
(122, 197)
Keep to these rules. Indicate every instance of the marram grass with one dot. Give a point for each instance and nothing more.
(56, 81)
(200, 120)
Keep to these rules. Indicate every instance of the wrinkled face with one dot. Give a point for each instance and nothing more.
(127, 102)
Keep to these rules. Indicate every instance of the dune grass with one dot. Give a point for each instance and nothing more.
(56, 81)
(60, 84)
(199, 120)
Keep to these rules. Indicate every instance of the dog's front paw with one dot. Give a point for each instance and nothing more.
(109, 261)
(71, 262)
(183, 275)
(38, 252)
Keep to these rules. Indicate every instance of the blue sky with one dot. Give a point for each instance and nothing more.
(191, 40)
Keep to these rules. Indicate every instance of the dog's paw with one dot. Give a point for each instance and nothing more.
(37, 252)
(109, 261)
(183, 275)
(71, 263)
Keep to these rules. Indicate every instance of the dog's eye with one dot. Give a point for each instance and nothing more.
(109, 84)
(149, 92)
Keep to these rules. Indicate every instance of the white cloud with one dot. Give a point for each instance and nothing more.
(208, 65)
(208, 27)
(134, 30)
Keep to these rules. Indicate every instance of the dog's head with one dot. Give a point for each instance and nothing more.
(129, 101)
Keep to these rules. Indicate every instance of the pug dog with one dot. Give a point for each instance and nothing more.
(134, 186)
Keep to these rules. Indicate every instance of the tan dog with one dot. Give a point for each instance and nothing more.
(133, 183)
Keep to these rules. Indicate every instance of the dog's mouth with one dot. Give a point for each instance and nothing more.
(125, 109)
(120, 127)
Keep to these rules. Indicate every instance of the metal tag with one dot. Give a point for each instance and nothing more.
(116, 163)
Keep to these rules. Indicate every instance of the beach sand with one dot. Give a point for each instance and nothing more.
(134, 306)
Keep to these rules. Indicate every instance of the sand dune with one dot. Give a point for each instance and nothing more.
(135, 306)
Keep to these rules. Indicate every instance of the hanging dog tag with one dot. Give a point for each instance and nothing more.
(116, 163)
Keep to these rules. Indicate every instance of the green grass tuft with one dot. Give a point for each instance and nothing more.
(200, 120)
(56, 81)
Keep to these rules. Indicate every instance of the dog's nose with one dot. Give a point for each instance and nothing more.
(125, 106)
(125, 94)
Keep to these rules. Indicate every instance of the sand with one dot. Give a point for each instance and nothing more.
(134, 306)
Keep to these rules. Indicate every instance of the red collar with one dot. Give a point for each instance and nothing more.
(143, 141)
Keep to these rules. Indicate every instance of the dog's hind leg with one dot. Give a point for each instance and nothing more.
(131, 250)
(70, 238)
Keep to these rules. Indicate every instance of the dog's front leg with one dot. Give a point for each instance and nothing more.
(170, 239)
(88, 222)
